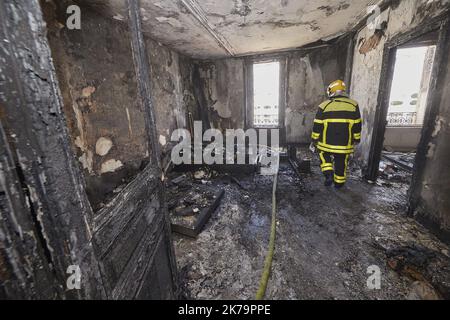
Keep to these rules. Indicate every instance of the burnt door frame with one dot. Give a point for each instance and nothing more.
(132, 236)
(143, 76)
(440, 25)
(45, 188)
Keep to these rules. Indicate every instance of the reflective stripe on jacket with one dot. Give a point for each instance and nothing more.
(337, 126)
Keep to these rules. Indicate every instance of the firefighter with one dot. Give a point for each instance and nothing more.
(337, 129)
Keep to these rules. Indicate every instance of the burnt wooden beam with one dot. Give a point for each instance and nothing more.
(143, 77)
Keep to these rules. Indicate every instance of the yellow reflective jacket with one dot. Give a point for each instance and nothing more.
(337, 126)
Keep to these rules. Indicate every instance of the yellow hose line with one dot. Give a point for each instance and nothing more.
(269, 258)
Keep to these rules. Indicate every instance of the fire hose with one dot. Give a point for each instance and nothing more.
(269, 258)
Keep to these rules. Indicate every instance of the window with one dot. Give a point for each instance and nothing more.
(266, 94)
(411, 81)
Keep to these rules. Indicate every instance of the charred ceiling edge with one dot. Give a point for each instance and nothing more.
(200, 15)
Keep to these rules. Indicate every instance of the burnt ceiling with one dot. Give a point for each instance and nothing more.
(219, 28)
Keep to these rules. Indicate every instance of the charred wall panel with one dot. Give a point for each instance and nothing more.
(106, 122)
(46, 224)
(167, 92)
(25, 270)
(99, 88)
(309, 74)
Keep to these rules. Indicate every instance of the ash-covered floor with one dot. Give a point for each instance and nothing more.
(326, 240)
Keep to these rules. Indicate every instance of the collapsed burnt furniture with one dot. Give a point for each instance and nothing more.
(192, 200)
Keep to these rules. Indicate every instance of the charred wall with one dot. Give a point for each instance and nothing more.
(101, 100)
(222, 85)
(44, 213)
(167, 92)
(309, 74)
(434, 189)
(220, 90)
(49, 235)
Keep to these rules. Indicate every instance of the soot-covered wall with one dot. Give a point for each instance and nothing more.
(222, 83)
(309, 74)
(434, 189)
(98, 83)
(400, 17)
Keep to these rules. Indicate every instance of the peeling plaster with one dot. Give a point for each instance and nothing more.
(431, 150)
(119, 17)
(103, 146)
(100, 97)
(440, 122)
(371, 43)
(111, 166)
(243, 26)
(87, 92)
(87, 161)
(162, 140)
(222, 110)
(39, 214)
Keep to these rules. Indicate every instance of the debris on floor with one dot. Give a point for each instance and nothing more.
(404, 161)
(423, 291)
(428, 266)
(326, 241)
(391, 172)
(191, 202)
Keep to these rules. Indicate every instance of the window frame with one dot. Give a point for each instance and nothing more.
(249, 91)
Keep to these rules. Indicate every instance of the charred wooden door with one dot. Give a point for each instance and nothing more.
(45, 217)
(46, 223)
(132, 242)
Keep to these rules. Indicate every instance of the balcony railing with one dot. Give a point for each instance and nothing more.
(402, 118)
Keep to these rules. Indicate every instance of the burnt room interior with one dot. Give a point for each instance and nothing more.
(92, 205)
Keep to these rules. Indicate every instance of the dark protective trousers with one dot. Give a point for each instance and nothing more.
(336, 165)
